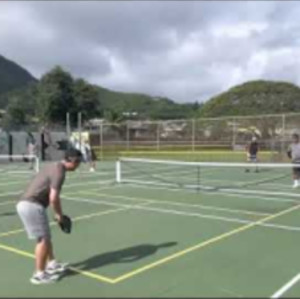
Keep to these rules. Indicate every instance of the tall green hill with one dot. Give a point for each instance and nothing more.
(254, 97)
(13, 76)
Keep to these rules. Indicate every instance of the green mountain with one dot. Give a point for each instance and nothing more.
(13, 76)
(254, 97)
(144, 106)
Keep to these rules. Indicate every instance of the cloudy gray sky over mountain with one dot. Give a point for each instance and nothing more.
(185, 50)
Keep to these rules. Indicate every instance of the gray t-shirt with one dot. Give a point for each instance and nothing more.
(51, 176)
(295, 152)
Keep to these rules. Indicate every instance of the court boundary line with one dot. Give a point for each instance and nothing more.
(78, 218)
(202, 244)
(182, 213)
(286, 287)
(215, 189)
(177, 203)
(82, 272)
(179, 253)
(218, 192)
(30, 255)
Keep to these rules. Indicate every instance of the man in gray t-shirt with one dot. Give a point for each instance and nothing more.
(294, 155)
(44, 190)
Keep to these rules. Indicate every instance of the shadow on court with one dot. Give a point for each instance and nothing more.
(127, 255)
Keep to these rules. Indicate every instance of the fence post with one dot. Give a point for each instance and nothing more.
(233, 133)
(283, 133)
(101, 140)
(127, 135)
(79, 128)
(193, 134)
(157, 136)
(68, 130)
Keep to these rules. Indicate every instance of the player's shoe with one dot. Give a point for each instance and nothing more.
(44, 278)
(56, 268)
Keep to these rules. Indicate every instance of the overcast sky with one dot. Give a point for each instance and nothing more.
(185, 50)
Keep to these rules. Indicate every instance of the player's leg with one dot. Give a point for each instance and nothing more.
(254, 160)
(53, 266)
(248, 161)
(36, 224)
(91, 156)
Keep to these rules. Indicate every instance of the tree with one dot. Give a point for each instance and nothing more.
(16, 114)
(86, 97)
(54, 97)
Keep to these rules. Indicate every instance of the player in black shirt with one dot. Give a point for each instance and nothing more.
(252, 149)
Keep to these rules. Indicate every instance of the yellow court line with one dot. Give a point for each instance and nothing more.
(85, 273)
(203, 244)
(87, 216)
(159, 262)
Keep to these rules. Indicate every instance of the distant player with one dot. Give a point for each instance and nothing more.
(31, 147)
(89, 155)
(252, 150)
(294, 155)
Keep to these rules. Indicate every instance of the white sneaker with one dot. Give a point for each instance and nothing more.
(92, 169)
(44, 278)
(296, 184)
(56, 268)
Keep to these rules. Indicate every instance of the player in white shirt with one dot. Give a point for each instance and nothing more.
(294, 155)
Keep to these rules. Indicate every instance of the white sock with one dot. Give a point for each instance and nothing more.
(52, 263)
(39, 273)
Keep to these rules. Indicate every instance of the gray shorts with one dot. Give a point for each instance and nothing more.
(35, 220)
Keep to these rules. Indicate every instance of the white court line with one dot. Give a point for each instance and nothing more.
(176, 212)
(10, 193)
(13, 183)
(261, 192)
(104, 183)
(231, 195)
(88, 183)
(286, 287)
(176, 203)
(231, 192)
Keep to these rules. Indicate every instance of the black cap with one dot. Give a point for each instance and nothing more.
(73, 154)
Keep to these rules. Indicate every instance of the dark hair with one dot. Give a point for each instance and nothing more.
(73, 154)
(295, 135)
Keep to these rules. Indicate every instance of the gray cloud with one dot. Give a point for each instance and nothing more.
(187, 51)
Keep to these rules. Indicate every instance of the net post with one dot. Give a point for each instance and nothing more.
(118, 171)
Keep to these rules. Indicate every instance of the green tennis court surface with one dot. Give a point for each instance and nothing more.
(141, 240)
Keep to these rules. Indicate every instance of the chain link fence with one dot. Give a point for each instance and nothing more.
(229, 134)
(205, 136)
